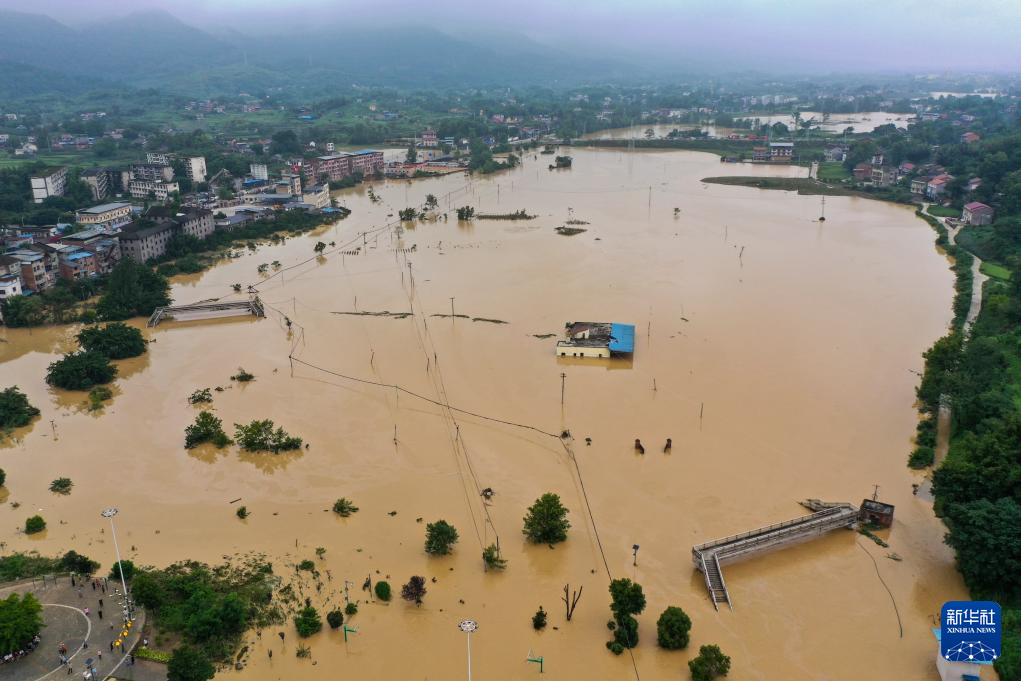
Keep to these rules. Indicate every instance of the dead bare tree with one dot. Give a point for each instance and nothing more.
(572, 602)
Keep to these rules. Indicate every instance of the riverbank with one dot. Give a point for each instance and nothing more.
(802, 185)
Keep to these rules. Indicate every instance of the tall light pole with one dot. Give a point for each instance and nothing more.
(109, 513)
(468, 626)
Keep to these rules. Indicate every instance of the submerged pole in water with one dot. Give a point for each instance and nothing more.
(563, 377)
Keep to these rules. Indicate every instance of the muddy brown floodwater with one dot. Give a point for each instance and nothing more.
(801, 339)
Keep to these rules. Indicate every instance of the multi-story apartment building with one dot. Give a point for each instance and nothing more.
(51, 184)
(157, 189)
(259, 171)
(196, 222)
(98, 181)
(152, 172)
(10, 285)
(330, 168)
(107, 215)
(34, 274)
(146, 242)
(367, 162)
(195, 168)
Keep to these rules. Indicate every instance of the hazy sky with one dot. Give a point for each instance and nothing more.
(861, 35)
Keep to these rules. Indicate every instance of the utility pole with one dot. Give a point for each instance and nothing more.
(451, 309)
(109, 513)
(563, 378)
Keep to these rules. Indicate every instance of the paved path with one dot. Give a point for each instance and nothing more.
(66, 622)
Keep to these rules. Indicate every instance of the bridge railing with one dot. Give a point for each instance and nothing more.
(716, 543)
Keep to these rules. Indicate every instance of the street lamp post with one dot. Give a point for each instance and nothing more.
(109, 513)
(468, 626)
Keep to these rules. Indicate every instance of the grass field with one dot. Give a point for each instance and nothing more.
(944, 212)
(833, 172)
(995, 271)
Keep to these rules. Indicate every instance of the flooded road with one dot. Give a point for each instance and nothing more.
(780, 354)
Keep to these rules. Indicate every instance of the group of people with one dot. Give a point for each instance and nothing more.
(18, 654)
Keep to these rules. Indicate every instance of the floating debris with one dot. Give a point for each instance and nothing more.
(488, 320)
(569, 231)
(543, 336)
(384, 313)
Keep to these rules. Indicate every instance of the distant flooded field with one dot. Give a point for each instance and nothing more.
(779, 354)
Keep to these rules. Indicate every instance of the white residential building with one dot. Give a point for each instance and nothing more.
(195, 168)
(49, 185)
(260, 171)
(143, 189)
(107, 215)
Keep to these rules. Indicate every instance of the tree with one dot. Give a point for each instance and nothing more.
(412, 155)
(673, 629)
(546, 521)
(382, 591)
(125, 566)
(319, 247)
(116, 340)
(491, 557)
(207, 428)
(72, 561)
(626, 599)
(20, 621)
(343, 507)
(710, 664)
(35, 524)
(307, 621)
(80, 371)
(259, 436)
(15, 409)
(285, 142)
(539, 619)
(414, 590)
(430, 201)
(986, 535)
(335, 618)
(21, 311)
(133, 289)
(440, 537)
(189, 664)
(3, 477)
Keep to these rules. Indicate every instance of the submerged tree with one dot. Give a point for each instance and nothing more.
(491, 557)
(710, 664)
(207, 428)
(116, 340)
(440, 538)
(546, 521)
(80, 371)
(673, 629)
(15, 409)
(414, 590)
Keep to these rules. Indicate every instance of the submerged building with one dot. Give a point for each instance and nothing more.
(597, 339)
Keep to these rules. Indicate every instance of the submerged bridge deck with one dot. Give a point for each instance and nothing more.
(709, 557)
(209, 310)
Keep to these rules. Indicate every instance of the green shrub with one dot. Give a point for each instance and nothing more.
(97, 396)
(3, 477)
(546, 521)
(143, 653)
(539, 619)
(351, 609)
(382, 591)
(15, 410)
(440, 538)
(116, 340)
(307, 621)
(242, 512)
(307, 565)
(615, 647)
(673, 629)
(80, 371)
(343, 507)
(710, 664)
(335, 618)
(203, 396)
(189, 664)
(259, 436)
(921, 457)
(61, 486)
(35, 524)
(207, 428)
(491, 557)
(242, 376)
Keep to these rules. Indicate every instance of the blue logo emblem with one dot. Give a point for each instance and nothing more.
(970, 631)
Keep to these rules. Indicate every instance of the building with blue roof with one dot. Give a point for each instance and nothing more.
(597, 340)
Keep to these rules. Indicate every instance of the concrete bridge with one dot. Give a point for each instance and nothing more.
(709, 557)
(208, 310)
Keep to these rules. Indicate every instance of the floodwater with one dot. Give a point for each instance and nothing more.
(779, 353)
(861, 122)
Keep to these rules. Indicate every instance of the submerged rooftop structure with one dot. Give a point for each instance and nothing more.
(597, 339)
